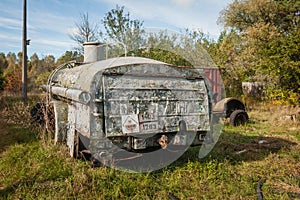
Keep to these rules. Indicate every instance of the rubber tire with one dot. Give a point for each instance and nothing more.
(238, 117)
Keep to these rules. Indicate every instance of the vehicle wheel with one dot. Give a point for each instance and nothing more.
(238, 117)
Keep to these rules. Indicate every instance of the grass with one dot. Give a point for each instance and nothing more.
(264, 151)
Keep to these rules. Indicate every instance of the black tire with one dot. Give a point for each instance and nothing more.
(239, 117)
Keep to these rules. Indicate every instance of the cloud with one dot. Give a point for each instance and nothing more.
(5, 20)
(185, 3)
(10, 43)
(181, 14)
(71, 31)
(50, 21)
(9, 37)
(44, 46)
(51, 42)
(11, 8)
(9, 23)
(10, 46)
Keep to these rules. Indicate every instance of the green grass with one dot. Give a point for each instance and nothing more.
(14, 134)
(31, 168)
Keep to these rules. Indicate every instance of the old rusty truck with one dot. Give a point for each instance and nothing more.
(131, 104)
(230, 109)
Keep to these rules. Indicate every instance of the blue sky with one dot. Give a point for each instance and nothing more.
(49, 22)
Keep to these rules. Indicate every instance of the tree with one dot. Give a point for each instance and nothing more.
(268, 33)
(3, 66)
(33, 64)
(181, 49)
(85, 32)
(123, 30)
(1, 80)
(69, 56)
(3, 61)
(160, 46)
(13, 73)
(39, 71)
(45, 67)
(11, 62)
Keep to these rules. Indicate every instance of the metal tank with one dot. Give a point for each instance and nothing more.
(129, 103)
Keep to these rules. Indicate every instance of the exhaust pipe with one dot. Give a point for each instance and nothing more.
(93, 52)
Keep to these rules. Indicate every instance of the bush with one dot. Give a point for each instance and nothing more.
(282, 97)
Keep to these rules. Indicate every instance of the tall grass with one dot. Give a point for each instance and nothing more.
(261, 152)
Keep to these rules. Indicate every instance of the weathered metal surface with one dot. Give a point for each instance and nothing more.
(61, 121)
(228, 105)
(215, 83)
(71, 94)
(131, 102)
(93, 51)
(154, 104)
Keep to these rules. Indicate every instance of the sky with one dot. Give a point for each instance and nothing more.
(50, 22)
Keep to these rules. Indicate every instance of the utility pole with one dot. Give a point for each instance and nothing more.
(24, 54)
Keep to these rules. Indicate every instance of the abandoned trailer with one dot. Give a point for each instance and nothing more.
(129, 105)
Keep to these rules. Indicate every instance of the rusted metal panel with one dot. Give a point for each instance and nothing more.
(215, 78)
(214, 81)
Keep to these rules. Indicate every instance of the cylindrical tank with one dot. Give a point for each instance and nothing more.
(131, 103)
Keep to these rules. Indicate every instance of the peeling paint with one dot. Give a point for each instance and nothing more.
(131, 102)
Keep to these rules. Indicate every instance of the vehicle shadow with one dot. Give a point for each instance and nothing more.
(12, 134)
(231, 147)
(237, 147)
(16, 124)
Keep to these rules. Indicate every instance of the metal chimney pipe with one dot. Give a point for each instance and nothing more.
(93, 51)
